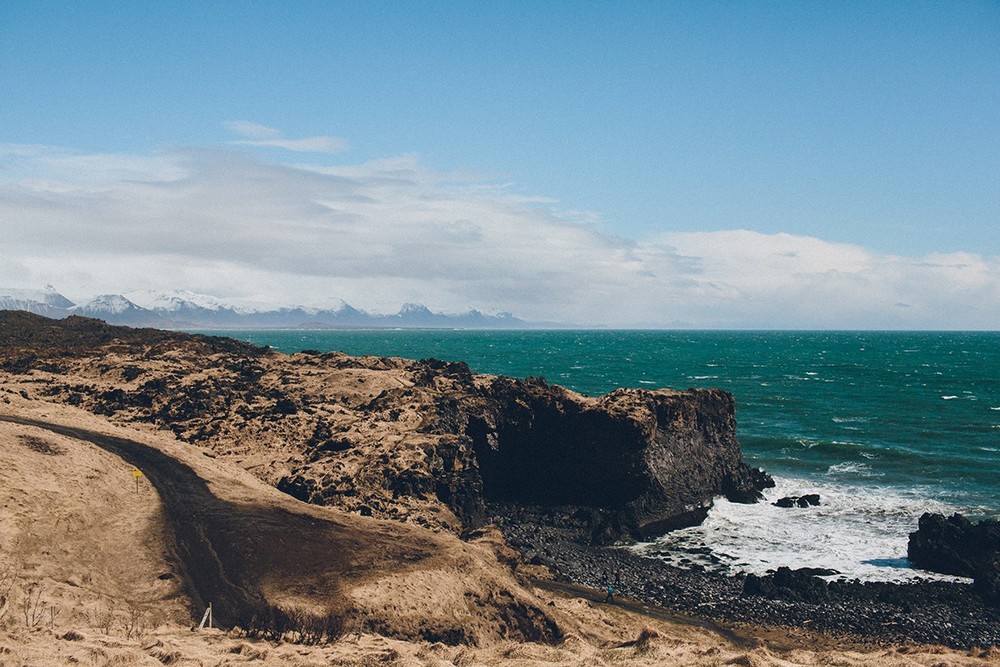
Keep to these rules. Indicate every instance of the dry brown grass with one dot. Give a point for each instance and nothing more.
(92, 551)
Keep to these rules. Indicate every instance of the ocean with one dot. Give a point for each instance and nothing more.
(883, 425)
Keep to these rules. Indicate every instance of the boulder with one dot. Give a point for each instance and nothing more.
(957, 546)
(808, 500)
(786, 584)
(953, 545)
(987, 583)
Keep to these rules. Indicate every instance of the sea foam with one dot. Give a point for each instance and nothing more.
(861, 532)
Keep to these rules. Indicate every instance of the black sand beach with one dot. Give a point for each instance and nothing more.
(933, 612)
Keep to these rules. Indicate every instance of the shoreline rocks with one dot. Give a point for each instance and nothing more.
(430, 443)
(955, 545)
(808, 500)
(932, 612)
(801, 585)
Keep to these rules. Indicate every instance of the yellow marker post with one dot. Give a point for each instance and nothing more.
(137, 474)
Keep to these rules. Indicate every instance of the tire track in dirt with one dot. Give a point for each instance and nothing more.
(232, 553)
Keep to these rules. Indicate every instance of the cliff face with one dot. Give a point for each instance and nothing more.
(654, 459)
(426, 442)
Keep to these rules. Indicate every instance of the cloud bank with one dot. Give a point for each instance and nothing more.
(379, 234)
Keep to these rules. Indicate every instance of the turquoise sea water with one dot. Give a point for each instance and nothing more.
(884, 425)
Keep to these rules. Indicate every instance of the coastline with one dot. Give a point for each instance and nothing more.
(628, 632)
(329, 410)
(881, 613)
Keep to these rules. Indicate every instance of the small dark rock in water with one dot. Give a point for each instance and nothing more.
(798, 501)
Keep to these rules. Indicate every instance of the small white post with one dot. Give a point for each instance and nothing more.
(206, 618)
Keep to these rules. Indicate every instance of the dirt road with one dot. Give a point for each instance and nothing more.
(237, 555)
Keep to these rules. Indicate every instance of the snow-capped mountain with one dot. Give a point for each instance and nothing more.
(416, 314)
(110, 304)
(47, 302)
(180, 301)
(183, 309)
(116, 309)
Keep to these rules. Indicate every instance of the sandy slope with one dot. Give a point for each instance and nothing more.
(95, 573)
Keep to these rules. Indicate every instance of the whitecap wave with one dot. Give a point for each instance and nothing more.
(861, 532)
(851, 420)
(852, 469)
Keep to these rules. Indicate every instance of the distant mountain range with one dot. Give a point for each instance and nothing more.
(188, 310)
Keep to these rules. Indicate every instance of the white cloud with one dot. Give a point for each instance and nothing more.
(797, 281)
(252, 130)
(268, 137)
(383, 233)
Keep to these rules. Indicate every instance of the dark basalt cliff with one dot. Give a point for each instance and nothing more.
(421, 441)
(654, 459)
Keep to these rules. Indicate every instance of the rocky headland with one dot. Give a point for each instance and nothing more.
(542, 478)
(427, 442)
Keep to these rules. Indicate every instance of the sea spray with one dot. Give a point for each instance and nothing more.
(861, 532)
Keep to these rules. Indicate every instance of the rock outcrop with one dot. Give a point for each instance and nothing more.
(955, 545)
(426, 442)
(808, 500)
(802, 585)
(654, 459)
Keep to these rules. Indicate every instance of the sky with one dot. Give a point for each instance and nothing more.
(805, 165)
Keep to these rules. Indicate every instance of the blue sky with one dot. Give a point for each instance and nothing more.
(569, 156)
